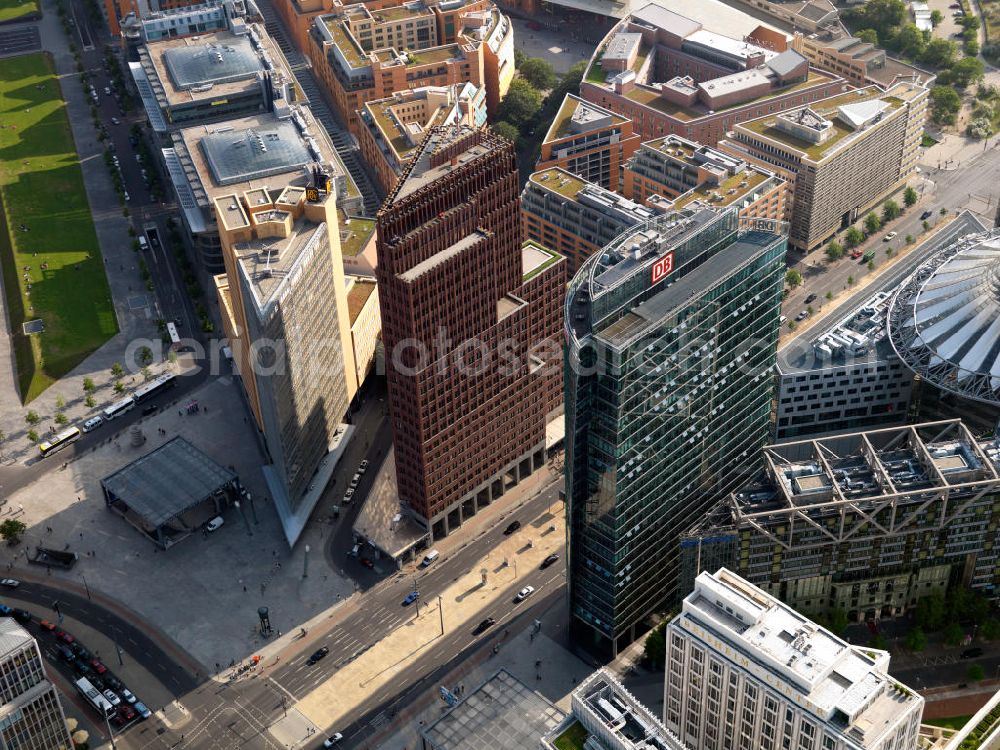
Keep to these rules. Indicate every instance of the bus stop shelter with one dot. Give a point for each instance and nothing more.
(167, 493)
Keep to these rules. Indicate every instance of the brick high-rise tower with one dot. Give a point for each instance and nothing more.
(471, 318)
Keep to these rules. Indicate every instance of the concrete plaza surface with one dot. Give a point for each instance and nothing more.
(205, 590)
(375, 671)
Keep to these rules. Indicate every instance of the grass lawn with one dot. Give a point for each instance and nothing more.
(41, 187)
(11, 10)
(573, 738)
(953, 722)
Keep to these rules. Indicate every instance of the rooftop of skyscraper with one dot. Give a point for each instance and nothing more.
(848, 686)
(819, 130)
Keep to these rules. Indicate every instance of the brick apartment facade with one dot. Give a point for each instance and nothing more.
(456, 285)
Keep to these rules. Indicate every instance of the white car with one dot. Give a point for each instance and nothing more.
(127, 198)
(355, 479)
(107, 90)
(215, 524)
(524, 593)
(348, 495)
(128, 695)
(115, 121)
(363, 466)
(889, 237)
(10, 583)
(333, 739)
(112, 697)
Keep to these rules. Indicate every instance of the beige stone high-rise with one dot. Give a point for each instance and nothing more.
(842, 155)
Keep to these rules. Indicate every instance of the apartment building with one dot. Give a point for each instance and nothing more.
(744, 670)
(151, 22)
(32, 715)
(672, 75)
(365, 321)
(589, 141)
(456, 283)
(270, 148)
(210, 77)
(675, 172)
(391, 129)
(361, 55)
(866, 522)
(284, 307)
(842, 155)
(671, 333)
(574, 217)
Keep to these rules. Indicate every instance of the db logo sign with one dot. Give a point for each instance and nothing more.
(663, 267)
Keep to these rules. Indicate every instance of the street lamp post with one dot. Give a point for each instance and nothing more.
(111, 735)
(305, 563)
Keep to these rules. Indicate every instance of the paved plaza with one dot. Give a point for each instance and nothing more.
(205, 590)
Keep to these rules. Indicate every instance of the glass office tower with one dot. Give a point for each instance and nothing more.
(671, 338)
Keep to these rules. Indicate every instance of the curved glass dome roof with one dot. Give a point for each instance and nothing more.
(208, 64)
(944, 321)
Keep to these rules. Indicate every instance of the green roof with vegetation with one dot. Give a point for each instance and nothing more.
(734, 182)
(52, 264)
(552, 259)
(346, 42)
(357, 234)
(12, 10)
(573, 738)
(559, 181)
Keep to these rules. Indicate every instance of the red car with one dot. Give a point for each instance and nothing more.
(366, 562)
(63, 636)
(124, 714)
(98, 666)
(46, 625)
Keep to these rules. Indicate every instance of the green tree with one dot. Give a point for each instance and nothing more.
(990, 630)
(943, 211)
(872, 223)
(145, 355)
(910, 197)
(793, 278)
(32, 418)
(882, 15)
(879, 642)
(60, 418)
(829, 296)
(11, 530)
(970, 47)
(869, 36)
(90, 401)
(980, 128)
(975, 672)
(521, 103)
(939, 53)
(117, 370)
(146, 374)
(119, 386)
(936, 17)
(88, 385)
(850, 281)
(519, 57)
(965, 72)
(655, 646)
(60, 402)
(834, 251)
(871, 265)
(538, 72)
(945, 103)
(853, 238)
(916, 639)
(970, 22)
(32, 436)
(931, 612)
(953, 634)
(890, 210)
(909, 40)
(838, 621)
(505, 130)
(925, 224)
(172, 357)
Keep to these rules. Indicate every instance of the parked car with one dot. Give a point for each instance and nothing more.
(81, 651)
(10, 583)
(63, 636)
(113, 682)
(46, 625)
(128, 695)
(115, 121)
(511, 528)
(151, 409)
(524, 593)
(23, 616)
(98, 666)
(485, 625)
(125, 714)
(889, 237)
(65, 653)
(363, 466)
(801, 316)
(550, 560)
(810, 298)
(140, 708)
(93, 423)
(333, 739)
(5, 611)
(348, 495)
(410, 598)
(112, 697)
(215, 524)
(972, 653)
(355, 479)
(367, 562)
(926, 215)
(317, 655)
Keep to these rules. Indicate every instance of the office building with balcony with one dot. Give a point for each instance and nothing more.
(671, 335)
(284, 304)
(588, 141)
(391, 129)
(574, 217)
(606, 716)
(842, 156)
(744, 670)
(672, 75)
(207, 78)
(267, 150)
(675, 172)
(155, 21)
(362, 55)
(471, 319)
(865, 522)
(31, 715)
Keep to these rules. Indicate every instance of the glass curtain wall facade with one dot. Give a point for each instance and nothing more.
(671, 341)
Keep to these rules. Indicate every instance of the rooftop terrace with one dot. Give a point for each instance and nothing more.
(731, 190)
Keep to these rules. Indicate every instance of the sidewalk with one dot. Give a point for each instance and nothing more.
(135, 308)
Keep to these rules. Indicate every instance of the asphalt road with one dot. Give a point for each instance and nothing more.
(235, 715)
